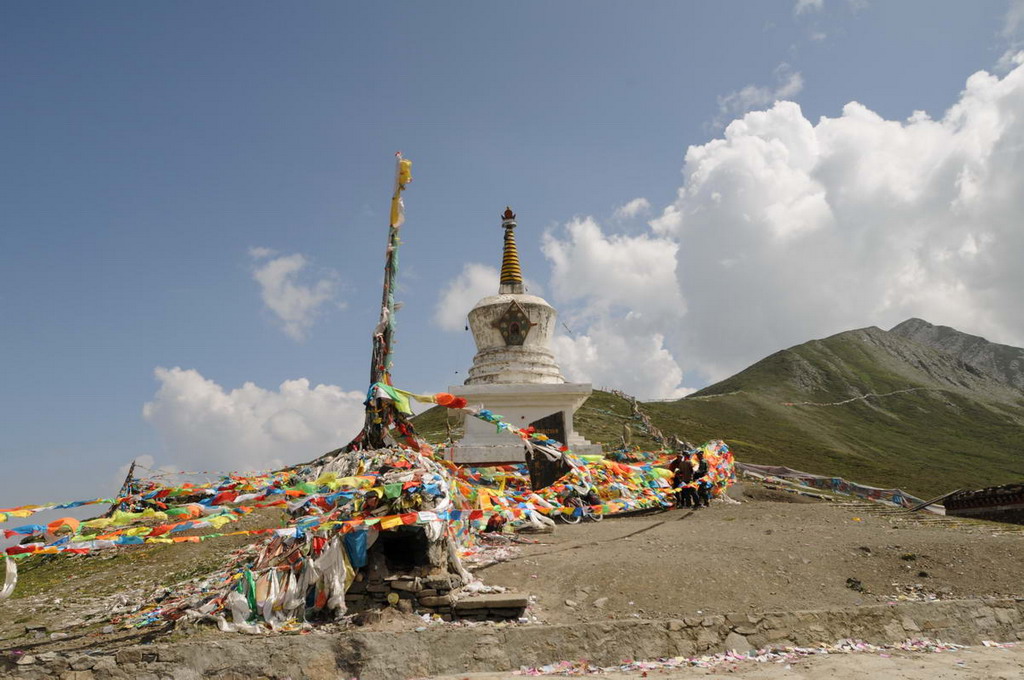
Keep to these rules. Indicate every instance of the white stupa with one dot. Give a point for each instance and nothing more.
(514, 372)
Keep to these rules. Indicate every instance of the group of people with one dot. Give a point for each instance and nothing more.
(687, 469)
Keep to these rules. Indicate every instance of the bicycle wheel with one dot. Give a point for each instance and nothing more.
(571, 518)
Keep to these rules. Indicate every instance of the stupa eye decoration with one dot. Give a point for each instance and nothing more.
(514, 325)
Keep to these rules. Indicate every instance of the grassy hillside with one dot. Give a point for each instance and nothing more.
(925, 443)
(946, 426)
(935, 425)
(600, 420)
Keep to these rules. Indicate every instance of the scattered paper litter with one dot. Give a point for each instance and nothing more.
(780, 655)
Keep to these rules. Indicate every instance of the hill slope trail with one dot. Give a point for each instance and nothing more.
(868, 405)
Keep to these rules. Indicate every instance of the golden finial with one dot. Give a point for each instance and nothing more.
(511, 274)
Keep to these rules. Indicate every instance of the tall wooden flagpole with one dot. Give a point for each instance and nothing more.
(381, 414)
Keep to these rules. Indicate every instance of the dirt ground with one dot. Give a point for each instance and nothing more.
(774, 551)
(771, 551)
(975, 663)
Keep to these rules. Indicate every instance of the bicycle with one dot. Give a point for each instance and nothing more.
(581, 505)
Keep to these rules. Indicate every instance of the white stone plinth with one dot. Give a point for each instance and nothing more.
(520, 405)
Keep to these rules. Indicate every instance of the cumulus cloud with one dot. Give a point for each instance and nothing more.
(294, 303)
(802, 6)
(788, 83)
(635, 208)
(461, 293)
(786, 229)
(259, 252)
(476, 281)
(204, 426)
(789, 229)
(613, 273)
(1014, 19)
(1013, 37)
(620, 293)
(620, 354)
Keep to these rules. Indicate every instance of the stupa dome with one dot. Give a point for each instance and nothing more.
(513, 329)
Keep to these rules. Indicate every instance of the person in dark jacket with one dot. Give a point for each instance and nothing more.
(700, 475)
(682, 475)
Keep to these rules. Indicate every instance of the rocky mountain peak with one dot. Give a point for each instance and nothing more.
(1002, 363)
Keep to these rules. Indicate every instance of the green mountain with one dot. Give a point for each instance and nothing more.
(869, 405)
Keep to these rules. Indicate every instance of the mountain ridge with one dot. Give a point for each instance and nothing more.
(1004, 363)
(857, 355)
(870, 405)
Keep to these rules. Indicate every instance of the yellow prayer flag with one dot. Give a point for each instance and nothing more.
(391, 522)
(404, 171)
(403, 175)
(220, 520)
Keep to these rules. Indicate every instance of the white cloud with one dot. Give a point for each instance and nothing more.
(616, 353)
(789, 230)
(788, 83)
(615, 273)
(1013, 19)
(259, 252)
(1009, 60)
(620, 293)
(296, 305)
(802, 6)
(1012, 37)
(635, 208)
(785, 230)
(460, 294)
(205, 427)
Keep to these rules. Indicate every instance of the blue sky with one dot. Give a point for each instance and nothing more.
(150, 147)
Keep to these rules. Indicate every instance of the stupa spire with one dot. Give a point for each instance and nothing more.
(511, 280)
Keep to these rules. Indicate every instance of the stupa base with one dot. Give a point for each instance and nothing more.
(549, 408)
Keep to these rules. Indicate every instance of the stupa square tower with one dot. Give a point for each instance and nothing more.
(514, 372)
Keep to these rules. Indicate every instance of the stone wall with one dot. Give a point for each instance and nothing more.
(441, 650)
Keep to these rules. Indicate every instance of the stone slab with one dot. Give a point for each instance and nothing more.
(435, 600)
(493, 601)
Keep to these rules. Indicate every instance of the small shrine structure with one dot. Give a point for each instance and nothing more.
(514, 372)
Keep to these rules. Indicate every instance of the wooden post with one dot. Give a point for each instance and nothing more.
(124, 490)
(381, 414)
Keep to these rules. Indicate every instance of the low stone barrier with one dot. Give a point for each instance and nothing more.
(440, 650)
